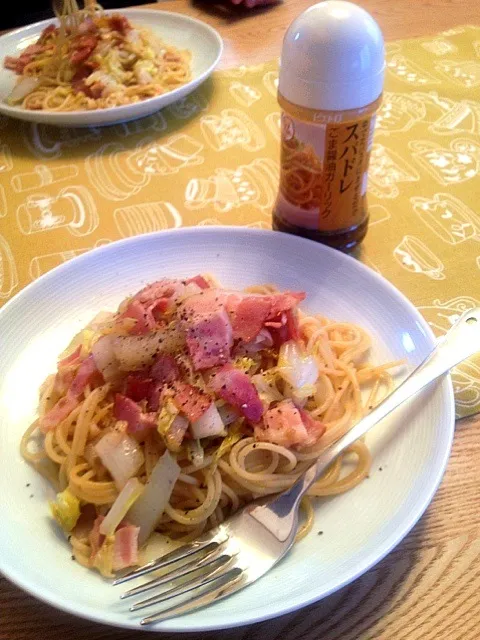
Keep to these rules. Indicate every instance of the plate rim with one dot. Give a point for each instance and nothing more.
(448, 409)
(13, 112)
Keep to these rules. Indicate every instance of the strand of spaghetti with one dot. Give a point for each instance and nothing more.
(195, 516)
(80, 435)
(95, 492)
(353, 478)
(32, 456)
(307, 524)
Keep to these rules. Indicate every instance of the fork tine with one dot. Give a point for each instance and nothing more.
(183, 570)
(223, 586)
(181, 553)
(187, 586)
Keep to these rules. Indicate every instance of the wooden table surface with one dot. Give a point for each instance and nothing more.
(429, 586)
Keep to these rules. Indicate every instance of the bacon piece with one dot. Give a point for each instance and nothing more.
(70, 359)
(164, 370)
(67, 404)
(10, 62)
(119, 23)
(284, 301)
(86, 26)
(248, 313)
(129, 411)
(199, 281)
(209, 339)
(47, 32)
(248, 316)
(145, 322)
(125, 547)
(193, 402)
(289, 427)
(285, 328)
(59, 412)
(84, 375)
(236, 388)
(138, 386)
(95, 537)
(83, 48)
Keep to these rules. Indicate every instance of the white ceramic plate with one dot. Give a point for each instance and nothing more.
(359, 527)
(181, 31)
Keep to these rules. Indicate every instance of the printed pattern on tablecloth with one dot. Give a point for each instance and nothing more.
(213, 158)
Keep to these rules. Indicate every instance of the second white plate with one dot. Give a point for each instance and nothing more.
(181, 31)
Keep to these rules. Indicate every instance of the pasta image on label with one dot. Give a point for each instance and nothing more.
(231, 128)
(274, 123)
(463, 73)
(439, 46)
(8, 270)
(387, 171)
(73, 208)
(270, 82)
(414, 256)
(410, 72)
(458, 163)
(323, 170)
(41, 264)
(154, 122)
(244, 94)
(145, 218)
(6, 163)
(188, 106)
(476, 47)
(254, 184)
(42, 176)
(398, 113)
(449, 218)
(378, 213)
(49, 142)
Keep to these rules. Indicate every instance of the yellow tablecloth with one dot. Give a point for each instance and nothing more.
(213, 159)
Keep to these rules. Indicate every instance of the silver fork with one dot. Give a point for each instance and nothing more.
(252, 541)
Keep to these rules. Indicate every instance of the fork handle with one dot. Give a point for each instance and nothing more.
(461, 341)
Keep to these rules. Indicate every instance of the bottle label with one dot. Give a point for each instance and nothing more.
(323, 174)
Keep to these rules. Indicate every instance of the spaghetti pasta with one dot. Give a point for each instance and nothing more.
(220, 421)
(94, 61)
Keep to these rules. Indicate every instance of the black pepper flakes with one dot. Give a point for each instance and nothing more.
(320, 533)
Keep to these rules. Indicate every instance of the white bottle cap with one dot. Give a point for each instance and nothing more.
(333, 58)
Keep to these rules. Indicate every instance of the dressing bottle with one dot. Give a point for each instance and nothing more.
(330, 87)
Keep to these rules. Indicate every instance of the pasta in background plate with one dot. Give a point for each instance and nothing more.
(94, 61)
(189, 402)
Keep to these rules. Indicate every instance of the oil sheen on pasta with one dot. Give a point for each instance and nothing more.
(224, 395)
(94, 61)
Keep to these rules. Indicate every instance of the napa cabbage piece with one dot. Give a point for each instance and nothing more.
(235, 433)
(148, 509)
(297, 368)
(125, 500)
(66, 509)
